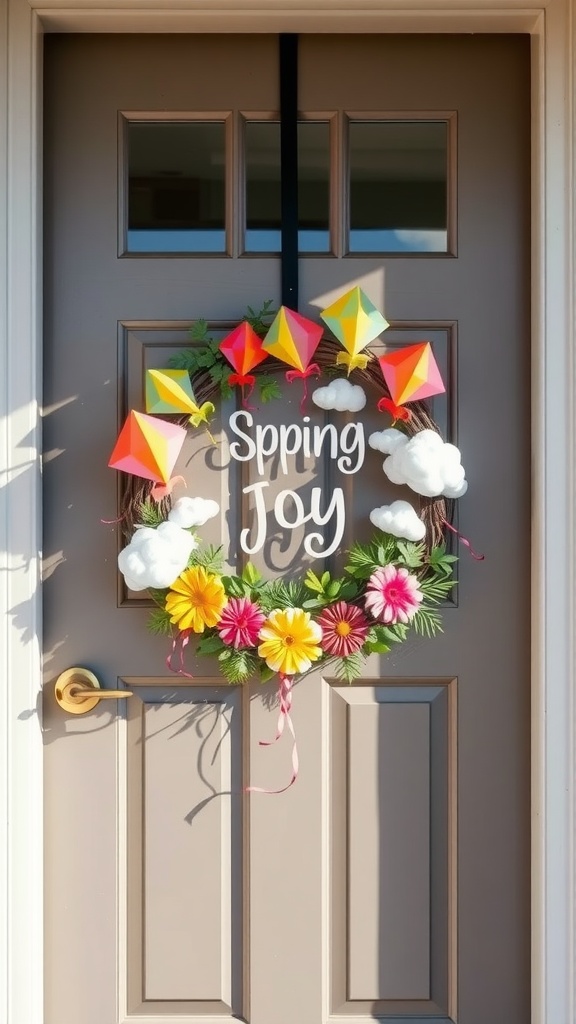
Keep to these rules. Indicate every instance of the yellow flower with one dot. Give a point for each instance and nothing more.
(290, 641)
(196, 599)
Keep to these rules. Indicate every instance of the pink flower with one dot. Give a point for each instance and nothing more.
(344, 629)
(240, 622)
(393, 595)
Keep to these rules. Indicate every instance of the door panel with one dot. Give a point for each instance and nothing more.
(392, 880)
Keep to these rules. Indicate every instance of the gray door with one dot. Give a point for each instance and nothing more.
(392, 879)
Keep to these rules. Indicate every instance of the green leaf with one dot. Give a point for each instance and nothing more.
(427, 622)
(269, 387)
(210, 643)
(377, 647)
(150, 514)
(266, 673)
(158, 595)
(436, 590)
(251, 575)
(349, 667)
(235, 587)
(349, 590)
(159, 622)
(325, 579)
(333, 589)
(199, 330)
(240, 666)
(209, 557)
(410, 554)
(313, 583)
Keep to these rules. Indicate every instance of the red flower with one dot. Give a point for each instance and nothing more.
(344, 629)
(240, 622)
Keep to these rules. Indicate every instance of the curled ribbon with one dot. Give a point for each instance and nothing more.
(285, 698)
(181, 641)
(292, 375)
(353, 362)
(397, 412)
(243, 379)
(160, 491)
(465, 542)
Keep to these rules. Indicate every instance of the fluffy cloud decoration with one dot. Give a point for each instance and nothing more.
(189, 512)
(426, 463)
(341, 395)
(399, 519)
(156, 557)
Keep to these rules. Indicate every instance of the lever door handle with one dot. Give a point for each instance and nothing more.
(77, 690)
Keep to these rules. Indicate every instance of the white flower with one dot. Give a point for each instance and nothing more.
(189, 512)
(400, 519)
(341, 395)
(425, 462)
(156, 557)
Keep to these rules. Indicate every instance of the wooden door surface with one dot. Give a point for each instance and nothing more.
(392, 879)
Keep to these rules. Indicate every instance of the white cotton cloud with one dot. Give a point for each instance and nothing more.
(156, 557)
(387, 440)
(189, 512)
(426, 463)
(341, 395)
(400, 519)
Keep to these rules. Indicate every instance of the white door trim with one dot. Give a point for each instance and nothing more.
(554, 439)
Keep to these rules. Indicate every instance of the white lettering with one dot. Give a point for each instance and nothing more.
(357, 444)
(260, 519)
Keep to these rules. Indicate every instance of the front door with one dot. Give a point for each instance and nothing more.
(391, 880)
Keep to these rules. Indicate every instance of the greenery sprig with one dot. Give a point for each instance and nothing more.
(205, 355)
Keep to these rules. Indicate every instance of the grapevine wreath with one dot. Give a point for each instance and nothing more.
(389, 587)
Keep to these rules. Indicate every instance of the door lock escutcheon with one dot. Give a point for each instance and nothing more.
(77, 690)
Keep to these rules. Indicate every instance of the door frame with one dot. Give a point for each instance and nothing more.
(551, 26)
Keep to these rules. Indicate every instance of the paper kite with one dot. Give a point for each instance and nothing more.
(411, 373)
(243, 350)
(170, 391)
(293, 339)
(355, 321)
(147, 447)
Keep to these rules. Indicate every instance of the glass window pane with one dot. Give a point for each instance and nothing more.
(263, 192)
(314, 186)
(176, 186)
(398, 186)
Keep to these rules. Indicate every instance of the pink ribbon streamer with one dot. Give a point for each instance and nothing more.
(465, 542)
(181, 640)
(243, 379)
(292, 375)
(160, 491)
(284, 719)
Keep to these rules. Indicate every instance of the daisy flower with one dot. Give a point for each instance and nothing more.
(393, 595)
(241, 622)
(344, 629)
(290, 641)
(196, 600)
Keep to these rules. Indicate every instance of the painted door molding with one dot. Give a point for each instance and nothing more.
(554, 441)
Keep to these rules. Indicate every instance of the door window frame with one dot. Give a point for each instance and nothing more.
(550, 24)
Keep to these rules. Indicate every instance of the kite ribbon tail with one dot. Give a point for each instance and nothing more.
(243, 379)
(160, 491)
(180, 641)
(284, 719)
(464, 541)
(352, 361)
(292, 375)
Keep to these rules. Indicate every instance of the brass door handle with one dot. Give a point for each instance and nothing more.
(77, 691)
